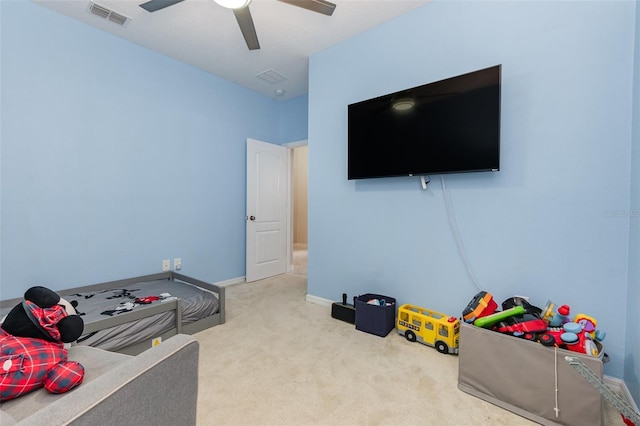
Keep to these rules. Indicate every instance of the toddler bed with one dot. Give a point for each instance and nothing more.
(127, 315)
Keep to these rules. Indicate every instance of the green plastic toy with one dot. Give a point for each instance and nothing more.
(490, 320)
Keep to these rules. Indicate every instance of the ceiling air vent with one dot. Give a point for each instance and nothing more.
(270, 76)
(108, 14)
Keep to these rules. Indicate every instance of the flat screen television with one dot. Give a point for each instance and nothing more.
(448, 126)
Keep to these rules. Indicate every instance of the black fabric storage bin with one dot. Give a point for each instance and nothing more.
(374, 319)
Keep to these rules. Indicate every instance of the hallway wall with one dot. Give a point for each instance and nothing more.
(300, 170)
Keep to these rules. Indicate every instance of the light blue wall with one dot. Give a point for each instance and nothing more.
(543, 226)
(115, 157)
(294, 122)
(632, 353)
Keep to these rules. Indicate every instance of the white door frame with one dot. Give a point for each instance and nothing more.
(291, 146)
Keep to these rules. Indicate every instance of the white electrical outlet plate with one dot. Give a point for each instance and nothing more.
(166, 265)
(177, 263)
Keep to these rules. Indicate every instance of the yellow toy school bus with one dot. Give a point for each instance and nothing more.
(429, 327)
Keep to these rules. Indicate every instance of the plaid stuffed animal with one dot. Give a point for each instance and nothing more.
(32, 352)
(27, 364)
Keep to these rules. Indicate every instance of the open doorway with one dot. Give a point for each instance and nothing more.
(299, 224)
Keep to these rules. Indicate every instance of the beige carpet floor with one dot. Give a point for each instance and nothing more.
(279, 360)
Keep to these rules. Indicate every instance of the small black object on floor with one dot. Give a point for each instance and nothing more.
(344, 311)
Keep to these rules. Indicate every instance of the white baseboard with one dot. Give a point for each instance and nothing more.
(620, 387)
(232, 281)
(318, 300)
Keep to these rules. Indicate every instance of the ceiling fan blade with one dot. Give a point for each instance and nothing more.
(320, 6)
(153, 5)
(243, 16)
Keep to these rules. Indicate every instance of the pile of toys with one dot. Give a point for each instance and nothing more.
(551, 325)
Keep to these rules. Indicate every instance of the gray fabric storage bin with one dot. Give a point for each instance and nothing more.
(520, 376)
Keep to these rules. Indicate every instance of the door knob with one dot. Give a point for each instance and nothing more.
(252, 218)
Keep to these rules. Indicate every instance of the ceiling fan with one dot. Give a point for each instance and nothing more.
(243, 16)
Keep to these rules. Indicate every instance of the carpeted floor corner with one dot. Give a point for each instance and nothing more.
(279, 360)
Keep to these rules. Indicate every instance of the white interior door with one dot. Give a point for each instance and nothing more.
(267, 202)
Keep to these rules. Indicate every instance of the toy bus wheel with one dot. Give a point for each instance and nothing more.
(442, 347)
(410, 335)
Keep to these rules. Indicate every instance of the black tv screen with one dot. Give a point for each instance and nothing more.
(449, 126)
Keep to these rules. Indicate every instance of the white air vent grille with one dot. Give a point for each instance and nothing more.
(270, 76)
(108, 14)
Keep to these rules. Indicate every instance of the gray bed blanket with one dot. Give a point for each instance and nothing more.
(195, 302)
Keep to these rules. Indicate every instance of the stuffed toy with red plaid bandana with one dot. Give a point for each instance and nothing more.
(32, 351)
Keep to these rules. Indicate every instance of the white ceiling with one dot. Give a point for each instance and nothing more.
(207, 36)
